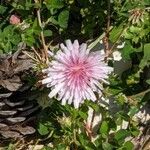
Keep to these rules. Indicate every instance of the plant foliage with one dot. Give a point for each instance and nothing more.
(45, 23)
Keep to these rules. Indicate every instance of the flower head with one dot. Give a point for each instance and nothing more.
(14, 19)
(75, 72)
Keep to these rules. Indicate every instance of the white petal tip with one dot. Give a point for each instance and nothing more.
(45, 81)
(50, 53)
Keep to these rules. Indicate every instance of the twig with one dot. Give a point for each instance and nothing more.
(42, 34)
(89, 129)
(106, 37)
(92, 120)
(132, 98)
(108, 18)
(33, 148)
(139, 94)
(30, 56)
(38, 56)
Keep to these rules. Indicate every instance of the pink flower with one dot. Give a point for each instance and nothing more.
(75, 72)
(14, 19)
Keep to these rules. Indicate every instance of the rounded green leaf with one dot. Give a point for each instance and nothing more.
(121, 135)
(129, 145)
(63, 18)
(43, 130)
(107, 146)
(47, 33)
(104, 128)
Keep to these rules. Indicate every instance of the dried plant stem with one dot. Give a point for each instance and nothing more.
(140, 94)
(92, 120)
(106, 37)
(36, 53)
(90, 130)
(30, 56)
(36, 143)
(108, 18)
(42, 34)
(90, 133)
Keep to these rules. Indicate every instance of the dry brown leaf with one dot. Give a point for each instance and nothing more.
(30, 111)
(5, 95)
(2, 104)
(26, 130)
(10, 134)
(23, 65)
(16, 119)
(4, 65)
(7, 112)
(12, 104)
(35, 147)
(2, 125)
(12, 84)
(11, 68)
(25, 108)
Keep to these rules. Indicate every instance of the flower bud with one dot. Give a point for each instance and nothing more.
(14, 19)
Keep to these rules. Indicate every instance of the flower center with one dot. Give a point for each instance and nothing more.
(76, 68)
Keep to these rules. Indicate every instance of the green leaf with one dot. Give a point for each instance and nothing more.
(82, 139)
(47, 33)
(83, 115)
(8, 47)
(43, 130)
(15, 39)
(114, 34)
(85, 142)
(61, 147)
(128, 145)
(2, 9)
(107, 146)
(135, 131)
(133, 111)
(127, 51)
(53, 20)
(135, 39)
(148, 81)
(121, 98)
(29, 40)
(146, 58)
(134, 29)
(140, 49)
(146, 2)
(35, 28)
(8, 30)
(56, 4)
(94, 106)
(104, 128)
(63, 18)
(128, 35)
(121, 135)
(43, 99)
